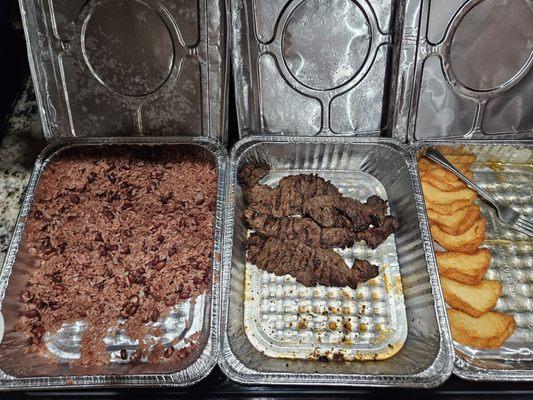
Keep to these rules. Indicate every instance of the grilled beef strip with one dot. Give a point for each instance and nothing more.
(288, 197)
(312, 266)
(251, 174)
(254, 244)
(345, 212)
(284, 243)
(377, 235)
(309, 232)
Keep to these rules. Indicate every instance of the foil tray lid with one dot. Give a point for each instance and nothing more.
(464, 70)
(312, 67)
(128, 67)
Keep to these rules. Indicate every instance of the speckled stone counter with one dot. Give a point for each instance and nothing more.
(21, 142)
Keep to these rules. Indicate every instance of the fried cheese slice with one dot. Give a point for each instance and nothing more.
(458, 222)
(447, 209)
(475, 300)
(463, 267)
(489, 331)
(438, 196)
(468, 242)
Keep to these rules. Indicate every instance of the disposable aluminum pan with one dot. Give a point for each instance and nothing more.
(194, 318)
(149, 67)
(505, 170)
(391, 331)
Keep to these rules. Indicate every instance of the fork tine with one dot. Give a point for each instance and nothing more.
(522, 228)
(525, 221)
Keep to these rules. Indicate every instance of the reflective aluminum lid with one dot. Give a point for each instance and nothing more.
(312, 67)
(464, 70)
(128, 67)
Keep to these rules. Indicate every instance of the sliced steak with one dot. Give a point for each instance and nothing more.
(311, 266)
(345, 212)
(287, 199)
(325, 211)
(377, 235)
(251, 174)
(254, 244)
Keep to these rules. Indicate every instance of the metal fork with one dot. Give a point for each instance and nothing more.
(505, 213)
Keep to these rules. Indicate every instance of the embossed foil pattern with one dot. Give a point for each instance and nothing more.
(465, 70)
(326, 60)
(129, 67)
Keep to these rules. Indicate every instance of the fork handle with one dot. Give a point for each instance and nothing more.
(437, 157)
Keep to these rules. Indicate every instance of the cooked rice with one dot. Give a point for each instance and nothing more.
(121, 235)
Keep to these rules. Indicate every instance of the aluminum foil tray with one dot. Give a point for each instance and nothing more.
(464, 70)
(147, 67)
(265, 317)
(285, 319)
(505, 169)
(328, 61)
(195, 320)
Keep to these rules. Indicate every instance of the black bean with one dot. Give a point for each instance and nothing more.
(169, 352)
(124, 354)
(111, 247)
(153, 261)
(134, 300)
(91, 177)
(31, 313)
(166, 198)
(103, 251)
(74, 198)
(38, 330)
(131, 310)
(172, 251)
(160, 265)
(155, 315)
(38, 214)
(98, 237)
(199, 199)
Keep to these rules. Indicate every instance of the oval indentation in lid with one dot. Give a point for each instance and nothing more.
(134, 57)
(492, 44)
(326, 43)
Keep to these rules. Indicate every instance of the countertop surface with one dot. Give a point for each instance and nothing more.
(21, 142)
